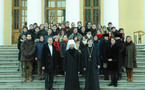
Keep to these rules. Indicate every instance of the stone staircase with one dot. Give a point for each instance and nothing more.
(10, 78)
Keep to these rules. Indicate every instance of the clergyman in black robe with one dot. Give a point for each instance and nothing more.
(71, 67)
(91, 64)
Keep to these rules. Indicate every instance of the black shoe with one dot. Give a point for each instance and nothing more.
(106, 78)
(115, 85)
(111, 84)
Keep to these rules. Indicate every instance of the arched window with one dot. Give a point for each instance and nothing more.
(92, 11)
(55, 11)
(19, 17)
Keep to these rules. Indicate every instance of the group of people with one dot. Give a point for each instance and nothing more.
(86, 50)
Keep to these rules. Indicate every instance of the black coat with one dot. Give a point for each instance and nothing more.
(92, 81)
(35, 35)
(43, 32)
(113, 54)
(63, 45)
(82, 46)
(47, 60)
(71, 67)
(121, 51)
(103, 50)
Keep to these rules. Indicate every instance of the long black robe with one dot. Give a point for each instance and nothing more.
(92, 81)
(71, 67)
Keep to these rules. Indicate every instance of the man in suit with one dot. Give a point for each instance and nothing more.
(48, 62)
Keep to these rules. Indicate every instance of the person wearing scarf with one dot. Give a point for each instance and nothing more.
(113, 62)
(130, 58)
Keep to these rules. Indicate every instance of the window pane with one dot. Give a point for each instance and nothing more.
(87, 15)
(60, 16)
(96, 16)
(16, 19)
(63, 3)
(23, 3)
(16, 3)
(23, 12)
(26, 3)
(87, 3)
(50, 3)
(59, 3)
(96, 3)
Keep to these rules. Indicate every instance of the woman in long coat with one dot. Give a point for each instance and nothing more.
(91, 64)
(71, 67)
(130, 58)
(113, 62)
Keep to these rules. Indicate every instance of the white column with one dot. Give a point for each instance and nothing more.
(111, 12)
(144, 18)
(1, 22)
(73, 11)
(34, 12)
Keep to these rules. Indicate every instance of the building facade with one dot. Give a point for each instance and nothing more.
(14, 14)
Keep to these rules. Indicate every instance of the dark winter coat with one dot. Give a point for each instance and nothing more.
(39, 47)
(47, 60)
(28, 50)
(103, 50)
(43, 32)
(113, 54)
(63, 45)
(121, 52)
(130, 56)
(97, 45)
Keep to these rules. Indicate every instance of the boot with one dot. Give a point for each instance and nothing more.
(24, 79)
(131, 75)
(128, 75)
(30, 78)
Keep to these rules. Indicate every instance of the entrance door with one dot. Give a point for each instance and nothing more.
(19, 18)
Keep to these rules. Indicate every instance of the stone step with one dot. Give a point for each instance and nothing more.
(35, 77)
(8, 59)
(61, 82)
(9, 72)
(8, 56)
(9, 67)
(9, 50)
(8, 53)
(61, 87)
(15, 48)
(9, 63)
(8, 45)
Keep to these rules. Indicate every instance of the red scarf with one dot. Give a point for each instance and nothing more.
(99, 35)
(122, 35)
(65, 40)
(56, 44)
(63, 28)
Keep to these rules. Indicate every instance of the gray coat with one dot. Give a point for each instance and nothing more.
(28, 50)
(130, 56)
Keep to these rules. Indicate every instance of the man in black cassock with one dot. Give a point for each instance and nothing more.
(91, 64)
(71, 67)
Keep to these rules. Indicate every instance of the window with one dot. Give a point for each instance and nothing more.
(19, 17)
(55, 11)
(92, 11)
